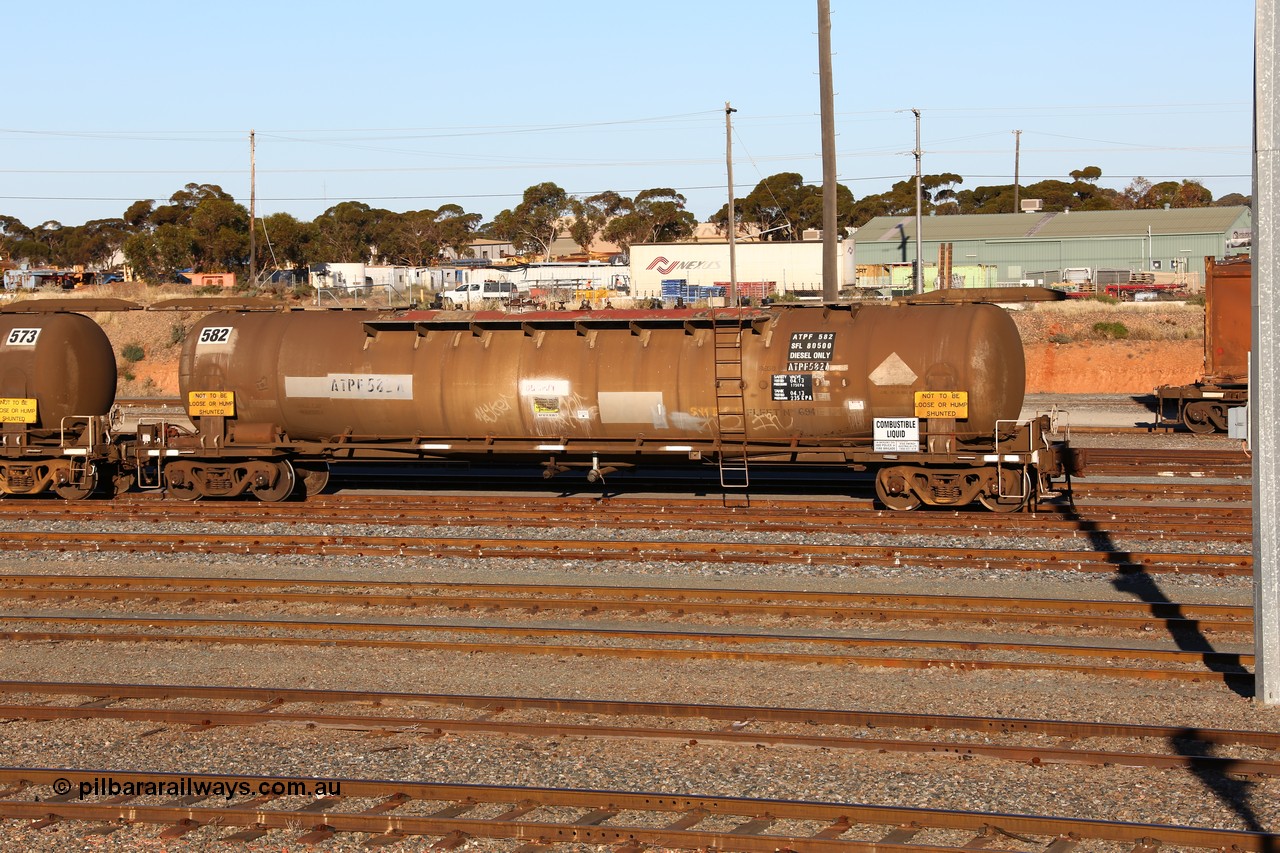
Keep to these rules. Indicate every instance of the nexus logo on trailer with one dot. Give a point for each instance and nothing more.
(664, 266)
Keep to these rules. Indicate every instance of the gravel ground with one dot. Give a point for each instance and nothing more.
(934, 781)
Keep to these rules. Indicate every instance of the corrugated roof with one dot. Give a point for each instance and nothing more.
(1091, 223)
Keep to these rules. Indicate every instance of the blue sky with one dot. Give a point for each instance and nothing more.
(411, 105)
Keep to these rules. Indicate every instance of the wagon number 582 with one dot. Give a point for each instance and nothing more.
(215, 335)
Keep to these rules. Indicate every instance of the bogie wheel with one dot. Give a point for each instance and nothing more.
(1219, 418)
(180, 483)
(183, 492)
(1198, 417)
(893, 489)
(286, 482)
(314, 478)
(1016, 494)
(72, 492)
(121, 483)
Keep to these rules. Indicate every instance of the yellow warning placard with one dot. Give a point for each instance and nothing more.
(942, 404)
(202, 404)
(17, 410)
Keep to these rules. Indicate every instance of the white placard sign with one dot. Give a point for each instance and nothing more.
(896, 435)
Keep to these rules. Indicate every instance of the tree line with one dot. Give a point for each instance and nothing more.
(202, 227)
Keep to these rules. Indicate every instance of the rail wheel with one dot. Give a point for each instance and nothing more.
(893, 489)
(183, 491)
(314, 478)
(180, 481)
(1015, 494)
(78, 491)
(121, 482)
(286, 481)
(1219, 418)
(1199, 417)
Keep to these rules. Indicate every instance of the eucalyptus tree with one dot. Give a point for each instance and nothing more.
(348, 232)
(201, 227)
(592, 214)
(288, 241)
(18, 243)
(657, 216)
(418, 237)
(535, 223)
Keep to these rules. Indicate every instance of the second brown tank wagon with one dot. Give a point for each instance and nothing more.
(275, 394)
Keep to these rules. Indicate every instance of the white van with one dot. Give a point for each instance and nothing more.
(474, 295)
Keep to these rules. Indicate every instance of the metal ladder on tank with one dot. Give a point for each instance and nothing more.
(731, 409)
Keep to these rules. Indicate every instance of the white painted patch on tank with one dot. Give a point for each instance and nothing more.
(893, 371)
(686, 422)
(351, 386)
(544, 387)
(633, 407)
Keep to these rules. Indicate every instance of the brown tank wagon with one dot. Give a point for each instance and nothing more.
(1228, 336)
(927, 396)
(57, 384)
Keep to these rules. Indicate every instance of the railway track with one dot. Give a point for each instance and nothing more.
(1110, 461)
(1152, 522)
(1001, 613)
(628, 821)
(785, 648)
(1018, 740)
(506, 624)
(1107, 561)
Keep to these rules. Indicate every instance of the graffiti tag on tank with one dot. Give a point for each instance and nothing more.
(770, 420)
(492, 412)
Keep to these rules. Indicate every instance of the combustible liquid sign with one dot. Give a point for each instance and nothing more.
(896, 435)
(942, 404)
(17, 410)
(207, 404)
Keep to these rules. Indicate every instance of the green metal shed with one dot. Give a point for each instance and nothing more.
(1169, 245)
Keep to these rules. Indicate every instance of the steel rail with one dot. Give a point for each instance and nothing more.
(1134, 524)
(1171, 490)
(764, 507)
(1124, 615)
(1202, 665)
(843, 508)
(591, 826)
(271, 699)
(738, 735)
(630, 550)
(700, 635)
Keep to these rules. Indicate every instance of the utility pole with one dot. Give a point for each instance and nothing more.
(1017, 155)
(253, 209)
(919, 277)
(830, 270)
(733, 216)
(1264, 388)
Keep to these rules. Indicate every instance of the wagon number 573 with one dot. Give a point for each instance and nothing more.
(215, 335)
(22, 337)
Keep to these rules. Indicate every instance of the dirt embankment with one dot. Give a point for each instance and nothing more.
(1094, 348)
(1071, 347)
